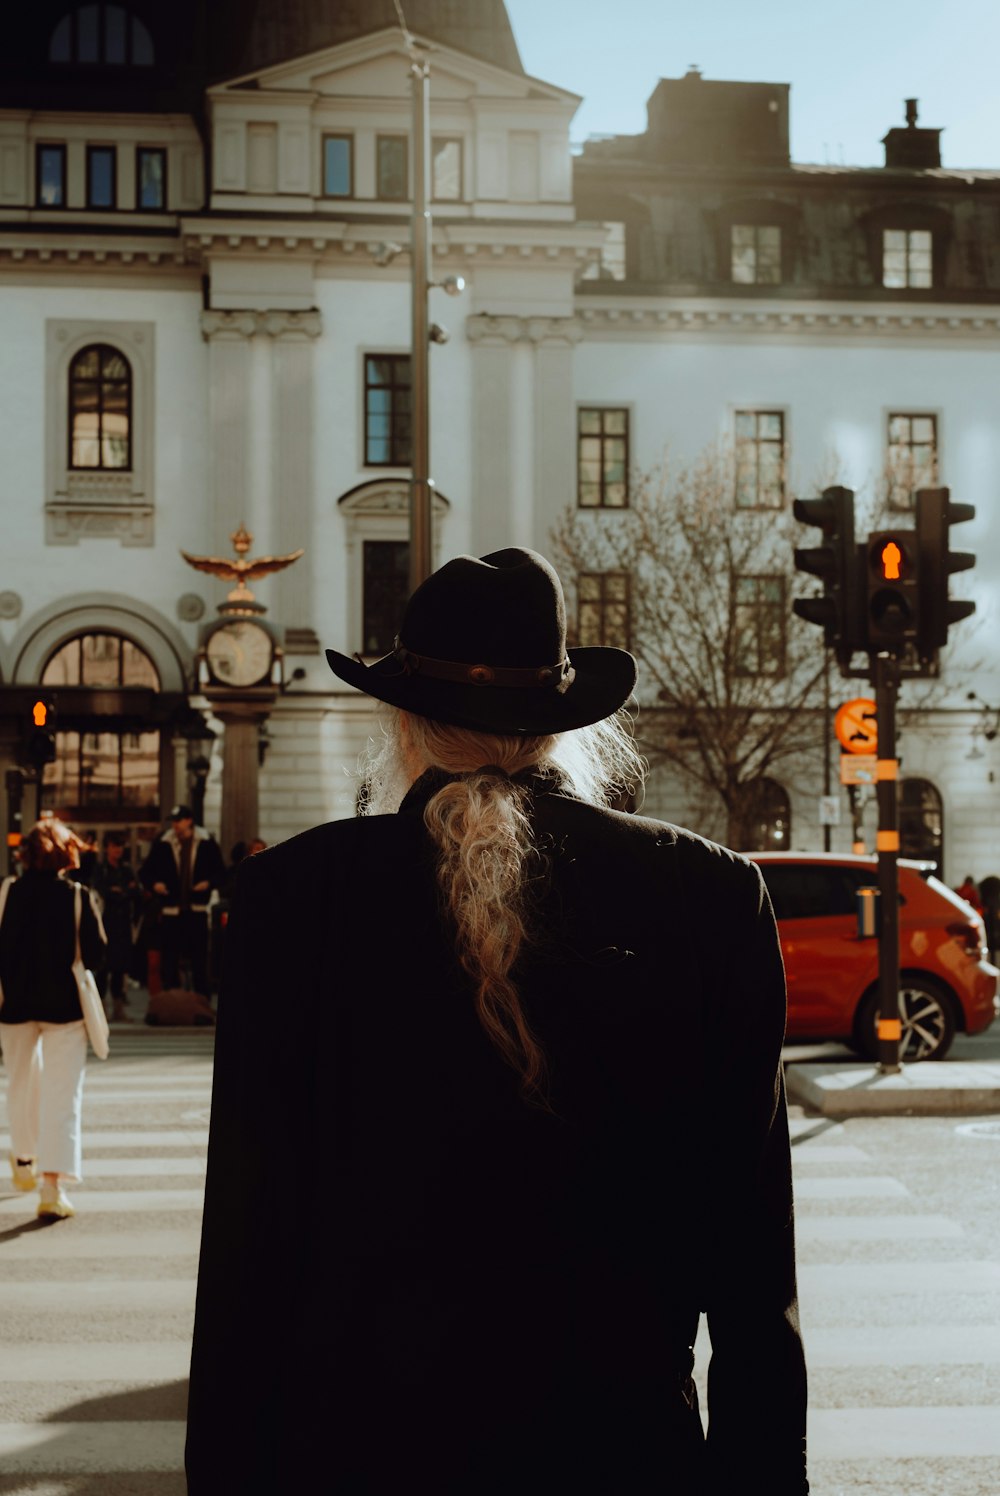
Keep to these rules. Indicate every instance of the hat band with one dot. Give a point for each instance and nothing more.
(554, 677)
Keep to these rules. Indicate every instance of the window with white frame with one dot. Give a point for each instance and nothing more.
(907, 259)
(912, 456)
(610, 264)
(446, 169)
(759, 625)
(602, 457)
(755, 254)
(760, 459)
(604, 608)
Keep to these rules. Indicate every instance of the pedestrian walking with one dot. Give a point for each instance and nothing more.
(183, 867)
(42, 1033)
(116, 885)
(968, 891)
(528, 1089)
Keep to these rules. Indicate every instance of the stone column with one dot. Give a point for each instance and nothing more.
(492, 428)
(228, 335)
(554, 339)
(239, 818)
(293, 493)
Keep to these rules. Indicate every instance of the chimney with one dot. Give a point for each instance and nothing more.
(914, 148)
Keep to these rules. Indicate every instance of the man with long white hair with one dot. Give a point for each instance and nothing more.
(498, 1108)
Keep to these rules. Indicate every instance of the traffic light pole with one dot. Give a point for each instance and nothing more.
(887, 847)
(421, 487)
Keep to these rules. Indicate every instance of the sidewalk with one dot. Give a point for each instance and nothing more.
(829, 1080)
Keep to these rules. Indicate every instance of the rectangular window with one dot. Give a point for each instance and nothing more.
(387, 409)
(391, 170)
(760, 459)
(755, 254)
(446, 169)
(386, 588)
(913, 459)
(759, 609)
(338, 165)
(907, 258)
(50, 170)
(150, 179)
(604, 609)
(602, 458)
(101, 173)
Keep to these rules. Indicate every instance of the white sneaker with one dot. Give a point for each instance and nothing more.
(54, 1203)
(23, 1172)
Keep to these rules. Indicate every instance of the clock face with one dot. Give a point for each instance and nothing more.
(239, 654)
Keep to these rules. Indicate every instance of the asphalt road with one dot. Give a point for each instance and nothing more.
(899, 1250)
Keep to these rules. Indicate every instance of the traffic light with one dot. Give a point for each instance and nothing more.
(893, 577)
(42, 732)
(935, 515)
(838, 612)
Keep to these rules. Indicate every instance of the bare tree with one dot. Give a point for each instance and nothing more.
(731, 683)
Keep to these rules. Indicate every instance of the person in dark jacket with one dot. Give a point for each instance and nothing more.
(115, 883)
(42, 1033)
(536, 1086)
(183, 867)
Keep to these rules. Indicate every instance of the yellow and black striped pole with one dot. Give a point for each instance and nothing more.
(887, 848)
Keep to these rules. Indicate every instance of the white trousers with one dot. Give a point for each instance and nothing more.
(45, 1065)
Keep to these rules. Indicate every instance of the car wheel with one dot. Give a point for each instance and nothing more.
(928, 1019)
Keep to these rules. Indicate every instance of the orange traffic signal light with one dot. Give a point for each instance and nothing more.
(891, 557)
(40, 713)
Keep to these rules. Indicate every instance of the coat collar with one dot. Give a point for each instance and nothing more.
(422, 791)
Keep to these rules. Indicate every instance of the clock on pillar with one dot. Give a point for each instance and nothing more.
(239, 673)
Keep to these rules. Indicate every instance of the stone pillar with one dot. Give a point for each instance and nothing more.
(239, 818)
(293, 494)
(228, 335)
(492, 367)
(554, 339)
(538, 450)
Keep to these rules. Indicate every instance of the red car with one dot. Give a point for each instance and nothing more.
(946, 982)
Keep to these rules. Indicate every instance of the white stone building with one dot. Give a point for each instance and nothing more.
(198, 333)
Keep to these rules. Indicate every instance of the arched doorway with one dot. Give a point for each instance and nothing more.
(921, 822)
(767, 817)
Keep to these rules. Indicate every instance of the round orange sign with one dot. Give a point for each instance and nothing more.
(855, 725)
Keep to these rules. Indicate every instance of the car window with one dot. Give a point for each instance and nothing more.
(811, 891)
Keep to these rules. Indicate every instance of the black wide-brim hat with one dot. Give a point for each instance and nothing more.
(482, 644)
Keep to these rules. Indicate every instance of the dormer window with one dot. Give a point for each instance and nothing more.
(101, 34)
(907, 259)
(755, 254)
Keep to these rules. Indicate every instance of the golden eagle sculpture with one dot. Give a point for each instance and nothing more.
(242, 570)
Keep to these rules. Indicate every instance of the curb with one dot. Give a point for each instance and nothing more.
(953, 1089)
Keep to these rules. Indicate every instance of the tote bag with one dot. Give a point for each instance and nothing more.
(94, 1017)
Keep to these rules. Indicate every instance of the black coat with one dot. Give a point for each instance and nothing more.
(161, 866)
(411, 1281)
(37, 946)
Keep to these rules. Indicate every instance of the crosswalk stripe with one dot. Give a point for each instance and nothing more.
(80, 1244)
(45, 1297)
(817, 1228)
(137, 1168)
(863, 1187)
(833, 1153)
(904, 1345)
(146, 1097)
(132, 1137)
(91, 1448)
(96, 1201)
(853, 1279)
(155, 1362)
(903, 1433)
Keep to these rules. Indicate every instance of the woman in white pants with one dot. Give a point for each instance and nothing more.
(42, 1034)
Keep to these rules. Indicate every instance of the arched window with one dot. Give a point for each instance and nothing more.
(102, 34)
(767, 817)
(921, 822)
(106, 767)
(100, 409)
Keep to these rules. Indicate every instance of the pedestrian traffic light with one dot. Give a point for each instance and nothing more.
(838, 612)
(893, 577)
(41, 743)
(935, 515)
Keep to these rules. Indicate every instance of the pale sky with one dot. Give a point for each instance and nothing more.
(850, 64)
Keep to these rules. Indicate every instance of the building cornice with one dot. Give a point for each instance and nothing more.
(207, 236)
(237, 326)
(615, 318)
